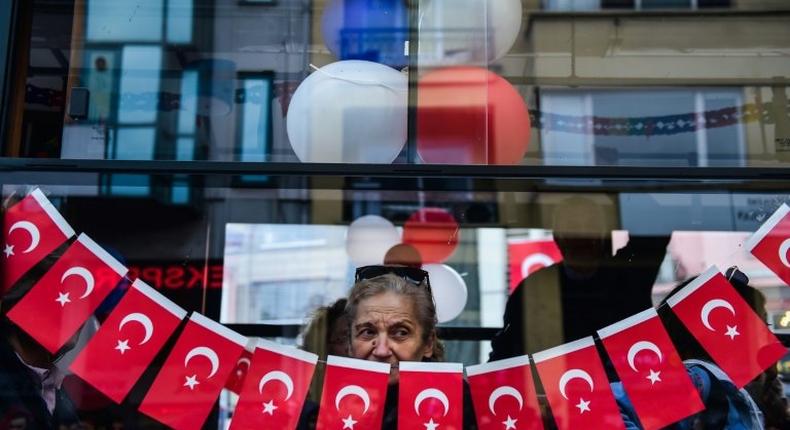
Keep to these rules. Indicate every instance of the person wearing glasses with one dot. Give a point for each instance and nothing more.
(392, 317)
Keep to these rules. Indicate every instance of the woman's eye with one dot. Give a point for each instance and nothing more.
(401, 333)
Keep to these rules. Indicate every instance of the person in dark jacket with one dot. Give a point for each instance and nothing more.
(31, 396)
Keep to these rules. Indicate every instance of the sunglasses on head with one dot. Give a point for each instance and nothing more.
(412, 274)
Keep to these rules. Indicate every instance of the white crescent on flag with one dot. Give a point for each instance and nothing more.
(205, 352)
(143, 320)
(783, 248)
(709, 307)
(277, 375)
(574, 374)
(431, 393)
(83, 273)
(504, 391)
(31, 228)
(353, 390)
(642, 345)
(534, 259)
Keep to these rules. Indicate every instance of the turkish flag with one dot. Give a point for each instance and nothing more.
(32, 229)
(503, 393)
(651, 370)
(528, 256)
(771, 243)
(129, 339)
(63, 299)
(353, 395)
(734, 336)
(239, 373)
(575, 382)
(194, 374)
(275, 388)
(430, 396)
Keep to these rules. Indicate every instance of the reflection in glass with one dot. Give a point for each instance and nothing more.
(140, 71)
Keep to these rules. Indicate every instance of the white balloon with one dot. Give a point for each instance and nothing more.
(449, 291)
(349, 112)
(369, 238)
(456, 31)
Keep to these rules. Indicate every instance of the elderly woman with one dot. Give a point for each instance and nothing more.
(392, 319)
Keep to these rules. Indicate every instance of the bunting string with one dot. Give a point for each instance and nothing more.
(663, 125)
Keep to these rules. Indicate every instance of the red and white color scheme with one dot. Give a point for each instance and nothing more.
(526, 257)
(503, 393)
(354, 394)
(63, 299)
(430, 396)
(576, 386)
(275, 389)
(771, 243)
(129, 339)
(236, 379)
(652, 373)
(735, 337)
(32, 229)
(194, 373)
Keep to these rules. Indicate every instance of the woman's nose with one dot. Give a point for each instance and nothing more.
(381, 348)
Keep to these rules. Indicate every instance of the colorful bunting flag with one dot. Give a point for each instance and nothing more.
(194, 374)
(32, 229)
(503, 394)
(68, 294)
(129, 339)
(576, 387)
(652, 373)
(735, 337)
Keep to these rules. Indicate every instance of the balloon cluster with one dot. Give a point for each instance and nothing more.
(355, 110)
(430, 236)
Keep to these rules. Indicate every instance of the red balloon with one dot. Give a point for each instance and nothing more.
(403, 255)
(433, 232)
(469, 115)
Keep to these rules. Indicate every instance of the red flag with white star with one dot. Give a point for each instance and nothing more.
(68, 294)
(771, 243)
(194, 374)
(32, 229)
(274, 391)
(236, 379)
(734, 336)
(430, 396)
(354, 394)
(652, 373)
(129, 339)
(503, 393)
(526, 257)
(576, 386)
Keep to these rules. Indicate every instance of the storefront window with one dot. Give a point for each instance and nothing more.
(493, 214)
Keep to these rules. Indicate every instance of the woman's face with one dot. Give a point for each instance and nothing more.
(386, 330)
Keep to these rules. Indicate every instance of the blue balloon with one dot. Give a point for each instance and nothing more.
(372, 30)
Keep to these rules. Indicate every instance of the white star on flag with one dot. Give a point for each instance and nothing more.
(583, 405)
(123, 345)
(348, 423)
(63, 298)
(9, 250)
(191, 382)
(732, 332)
(430, 425)
(268, 407)
(510, 423)
(654, 377)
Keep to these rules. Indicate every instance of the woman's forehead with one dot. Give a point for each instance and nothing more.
(386, 306)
